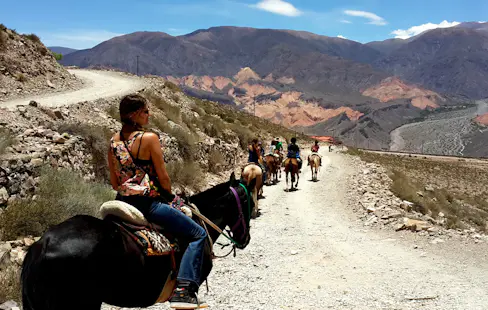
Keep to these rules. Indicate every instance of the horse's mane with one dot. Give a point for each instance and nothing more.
(210, 194)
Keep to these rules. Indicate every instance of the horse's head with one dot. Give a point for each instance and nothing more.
(239, 217)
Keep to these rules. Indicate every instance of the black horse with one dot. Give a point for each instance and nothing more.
(85, 261)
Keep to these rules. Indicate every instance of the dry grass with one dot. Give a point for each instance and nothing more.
(10, 287)
(459, 187)
(61, 194)
(96, 139)
(20, 77)
(33, 37)
(172, 86)
(215, 161)
(6, 139)
(187, 173)
(186, 141)
(113, 111)
(3, 40)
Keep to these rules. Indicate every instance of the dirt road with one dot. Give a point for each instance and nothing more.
(98, 84)
(308, 252)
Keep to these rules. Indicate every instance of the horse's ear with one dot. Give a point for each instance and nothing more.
(232, 178)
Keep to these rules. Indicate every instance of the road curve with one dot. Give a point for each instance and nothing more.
(98, 84)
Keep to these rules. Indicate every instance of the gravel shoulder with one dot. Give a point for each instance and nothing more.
(310, 251)
(98, 84)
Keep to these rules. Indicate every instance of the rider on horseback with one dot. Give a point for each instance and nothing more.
(138, 174)
(294, 152)
(255, 156)
(315, 151)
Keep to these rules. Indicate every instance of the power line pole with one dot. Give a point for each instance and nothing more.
(137, 72)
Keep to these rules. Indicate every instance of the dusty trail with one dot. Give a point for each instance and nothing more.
(308, 252)
(98, 84)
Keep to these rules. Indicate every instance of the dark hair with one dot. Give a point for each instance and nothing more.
(316, 142)
(130, 104)
(255, 140)
(293, 140)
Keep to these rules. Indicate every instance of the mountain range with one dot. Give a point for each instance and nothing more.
(302, 79)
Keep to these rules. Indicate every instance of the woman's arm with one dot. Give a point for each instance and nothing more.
(157, 158)
(111, 166)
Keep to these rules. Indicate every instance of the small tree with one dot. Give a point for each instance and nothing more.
(57, 56)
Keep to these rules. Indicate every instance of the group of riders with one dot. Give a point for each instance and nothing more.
(138, 174)
(275, 148)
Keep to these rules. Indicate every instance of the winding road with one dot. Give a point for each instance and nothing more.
(309, 251)
(98, 84)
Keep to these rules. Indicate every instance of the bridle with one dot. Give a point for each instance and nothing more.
(241, 220)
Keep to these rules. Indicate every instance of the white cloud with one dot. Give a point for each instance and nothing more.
(345, 21)
(341, 36)
(415, 30)
(78, 39)
(373, 18)
(278, 7)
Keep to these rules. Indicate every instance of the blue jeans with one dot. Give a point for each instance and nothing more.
(176, 222)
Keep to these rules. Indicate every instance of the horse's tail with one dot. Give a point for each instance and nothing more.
(32, 279)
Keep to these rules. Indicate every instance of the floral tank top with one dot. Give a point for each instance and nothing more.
(135, 176)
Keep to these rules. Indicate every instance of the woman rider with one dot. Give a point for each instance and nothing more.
(138, 174)
(255, 156)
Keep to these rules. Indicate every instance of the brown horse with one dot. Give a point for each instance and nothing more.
(250, 172)
(272, 163)
(280, 160)
(314, 162)
(291, 166)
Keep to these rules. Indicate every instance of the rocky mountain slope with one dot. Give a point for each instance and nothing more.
(28, 67)
(300, 79)
(450, 60)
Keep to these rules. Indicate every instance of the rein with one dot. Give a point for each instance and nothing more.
(240, 219)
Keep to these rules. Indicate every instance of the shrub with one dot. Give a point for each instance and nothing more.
(215, 161)
(186, 141)
(172, 86)
(97, 141)
(20, 77)
(61, 194)
(33, 38)
(6, 140)
(3, 40)
(244, 135)
(10, 288)
(186, 173)
(172, 112)
(113, 111)
(57, 56)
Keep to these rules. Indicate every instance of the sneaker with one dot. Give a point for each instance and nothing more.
(184, 299)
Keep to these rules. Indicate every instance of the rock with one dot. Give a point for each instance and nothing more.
(29, 132)
(58, 114)
(28, 241)
(33, 103)
(3, 196)
(17, 256)
(50, 84)
(5, 249)
(420, 194)
(437, 240)
(415, 225)
(395, 214)
(429, 188)
(36, 162)
(294, 252)
(441, 214)
(57, 138)
(373, 219)
(9, 305)
(366, 171)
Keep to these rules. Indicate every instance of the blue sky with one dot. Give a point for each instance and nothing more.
(83, 24)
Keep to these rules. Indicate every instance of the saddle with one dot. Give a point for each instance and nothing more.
(149, 237)
(294, 162)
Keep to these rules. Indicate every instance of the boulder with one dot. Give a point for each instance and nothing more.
(33, 103)
(3, 196)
